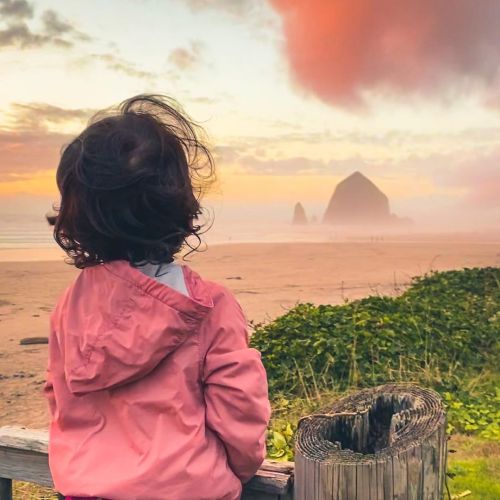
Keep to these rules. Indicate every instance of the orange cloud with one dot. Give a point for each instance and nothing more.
(32, 141)
(28, 152)
(337, 49)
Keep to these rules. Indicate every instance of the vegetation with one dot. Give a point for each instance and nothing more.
(442, 332)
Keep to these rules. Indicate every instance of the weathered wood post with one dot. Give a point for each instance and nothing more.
(384, 443)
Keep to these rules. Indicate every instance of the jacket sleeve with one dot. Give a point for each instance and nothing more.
(235, 387)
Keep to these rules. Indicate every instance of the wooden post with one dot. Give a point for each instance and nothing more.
(384, 443)
(5, 489)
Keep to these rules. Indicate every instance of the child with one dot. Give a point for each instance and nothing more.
(153, 390)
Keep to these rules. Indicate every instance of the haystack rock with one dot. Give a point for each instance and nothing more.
(357, 201)
(299, 215)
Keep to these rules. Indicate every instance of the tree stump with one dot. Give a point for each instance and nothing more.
(388, 442)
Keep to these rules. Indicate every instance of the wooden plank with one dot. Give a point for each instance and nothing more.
(307, 483)
(299, 485)
(430, 464)
(399, 477)
(372, 474)
(388, 479)
(22, 438)
(380, 480)
(275, 466)
(443, 458)
(23, 465)
(350, 481)
(363, 481)
(258, 495)
(269, 482)
(5, 489)
(342, 487)
(325, 481)
(414, 473)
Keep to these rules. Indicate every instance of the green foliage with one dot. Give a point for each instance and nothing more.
(280, 442)
(474, 415)
(443, 330)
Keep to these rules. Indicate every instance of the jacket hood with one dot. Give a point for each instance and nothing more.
(114, 325)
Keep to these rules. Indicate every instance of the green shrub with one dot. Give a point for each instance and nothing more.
(443, 330)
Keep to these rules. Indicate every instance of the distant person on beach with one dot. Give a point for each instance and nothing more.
(153, 390)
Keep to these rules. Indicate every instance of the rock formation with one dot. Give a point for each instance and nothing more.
(299, 215)
(358, 201)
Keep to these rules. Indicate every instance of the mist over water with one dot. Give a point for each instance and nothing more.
(31, 231)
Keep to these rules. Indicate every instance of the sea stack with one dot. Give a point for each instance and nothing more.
(299, 215)
(358, 201)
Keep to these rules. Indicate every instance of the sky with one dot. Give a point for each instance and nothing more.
(294, 95)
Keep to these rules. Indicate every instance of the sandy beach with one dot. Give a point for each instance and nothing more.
(267, 279)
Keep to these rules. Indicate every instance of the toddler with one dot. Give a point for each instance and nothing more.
(153, 390)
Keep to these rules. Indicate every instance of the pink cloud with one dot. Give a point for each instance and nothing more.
(481, 178)
(337, 49)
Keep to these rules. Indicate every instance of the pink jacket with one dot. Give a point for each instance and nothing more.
(153, 394)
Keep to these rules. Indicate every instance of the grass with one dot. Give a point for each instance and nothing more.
(30, 491)
(474, 467)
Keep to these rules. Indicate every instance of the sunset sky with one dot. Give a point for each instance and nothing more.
(294, 95)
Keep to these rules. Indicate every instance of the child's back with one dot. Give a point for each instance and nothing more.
(153, 390)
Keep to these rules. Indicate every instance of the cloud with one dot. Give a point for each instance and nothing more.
(29, 146)
(120, 65)
(186, 58)
(479, 177)
(57, 32)
(54, 31)
(254, 14)
(257, 161)
(340, 50)
(285, 166)
(236, 8)
(23, 152)
(19, 34)
(38, 115)
(54, 27)
(17, 9)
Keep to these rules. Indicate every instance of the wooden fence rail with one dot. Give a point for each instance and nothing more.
(24, 457)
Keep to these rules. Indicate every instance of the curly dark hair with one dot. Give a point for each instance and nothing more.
(131, 184)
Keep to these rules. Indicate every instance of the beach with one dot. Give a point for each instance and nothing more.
(267, 279)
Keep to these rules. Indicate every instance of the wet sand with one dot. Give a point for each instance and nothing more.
(266, 278)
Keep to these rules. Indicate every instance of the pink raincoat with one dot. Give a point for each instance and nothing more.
(153, 394)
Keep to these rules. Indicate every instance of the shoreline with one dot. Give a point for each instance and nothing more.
(54, 253)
